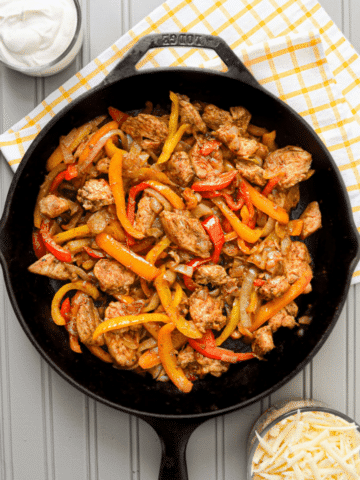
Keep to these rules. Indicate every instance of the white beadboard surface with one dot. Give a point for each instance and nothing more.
(51, 431)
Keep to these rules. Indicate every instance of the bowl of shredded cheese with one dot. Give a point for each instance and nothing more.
(303, 439)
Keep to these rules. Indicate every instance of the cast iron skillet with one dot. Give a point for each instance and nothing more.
(335, 250)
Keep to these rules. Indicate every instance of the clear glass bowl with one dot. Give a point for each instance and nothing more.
(63, 60)
(279, 412)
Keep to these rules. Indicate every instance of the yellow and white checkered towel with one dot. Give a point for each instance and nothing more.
(292, 47)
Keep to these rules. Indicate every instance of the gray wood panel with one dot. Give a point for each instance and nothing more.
(49, 430)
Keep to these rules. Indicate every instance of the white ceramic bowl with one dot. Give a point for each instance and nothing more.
(63, 60)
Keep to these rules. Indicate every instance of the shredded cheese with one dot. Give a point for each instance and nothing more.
(315, 445)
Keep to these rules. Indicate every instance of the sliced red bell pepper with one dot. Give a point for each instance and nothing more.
(228, 198)
(65, 309)
(259, 282)
(271, 184)
(59, 252)
(117, 115)
(209, 147)
(207, 347)
(68, 174)
(216, 183)
(213, 228)
(38, 244)
(246, 196)
(227, 228)
(94, 253)
(196, 262)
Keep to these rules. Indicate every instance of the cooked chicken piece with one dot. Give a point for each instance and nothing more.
(297, 261)
(52, 206)
(241, 118)
(263, 341)
(239, 268)
(87, 319)
(293, 161)
(201, 165)
(252, 172)
(209, 365)
(286, 199)
(152, 145)
(122, 343)
(147, 126)
(102, 166)
(148, 209)
(274, 287)
(206, 311)
(179, 169)
(242, 146)
(113, 277)
(95, 194)
(186, 356)
(186, 232)
(189, 114)
(311, 217)
(214, 274)
(118, 345)
(51, 267)
(120, 309)
(292, 309)
(99, 220)
(268, 256)
(215, 117)
(281, 319)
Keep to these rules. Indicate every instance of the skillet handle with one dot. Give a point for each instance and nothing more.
(174, 435)
(127, 66)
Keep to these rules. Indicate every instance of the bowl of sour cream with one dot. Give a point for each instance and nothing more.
(39, 37)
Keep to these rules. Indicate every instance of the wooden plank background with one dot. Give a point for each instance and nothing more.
(49, 430)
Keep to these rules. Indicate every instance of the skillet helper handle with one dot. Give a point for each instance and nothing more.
(174, 435)
(127, 66)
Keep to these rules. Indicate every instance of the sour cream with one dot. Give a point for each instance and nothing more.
(34, 33)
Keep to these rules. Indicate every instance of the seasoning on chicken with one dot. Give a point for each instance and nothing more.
(274, 287)
(186, 232)
(241, 118)
(252, 172)
(144, 125)
(179, 169)
(87, 319)
(311, 217)
(214, 274)
(95, 194)
(293, 162)
(113, 277)
(52, 206)
(148, 209)
(189, 114)
(49, 266)
(215, 117)
(240, 145)
(206, 311)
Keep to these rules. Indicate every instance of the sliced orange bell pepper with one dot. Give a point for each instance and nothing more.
(174, 115)
(248, 234)
(294, 227)
(266, 205)
(168, 360)
(111, 148)
(271, 308)
(151, 257)
(185, 327)
(116, 185)
(95, 138)
(168, 193)
(126, 257)
(128, 321)
(55, 304)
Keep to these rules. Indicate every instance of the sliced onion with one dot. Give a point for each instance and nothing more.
(78, 271)
(201, 210)
(165, 203)
(96, 149)
(269, 227)
(245, 293)
(147, 344)
(183, 269)
(66, 152)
